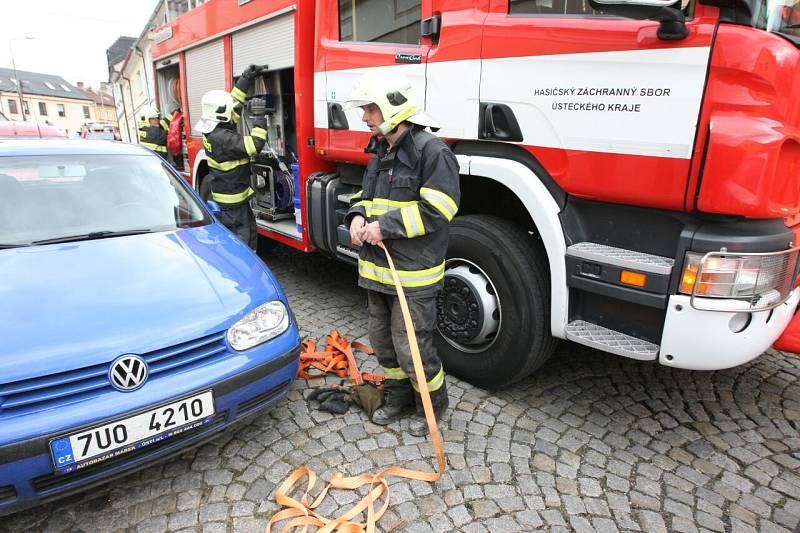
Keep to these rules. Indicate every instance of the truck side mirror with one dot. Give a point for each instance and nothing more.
(673, 21)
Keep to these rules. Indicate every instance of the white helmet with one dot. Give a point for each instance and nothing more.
(394, 95)
(216, 106)
(149, 112)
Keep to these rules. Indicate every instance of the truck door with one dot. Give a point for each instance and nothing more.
(356, 37)
(608, 108)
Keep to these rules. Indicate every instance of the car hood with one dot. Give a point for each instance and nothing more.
(71, 305)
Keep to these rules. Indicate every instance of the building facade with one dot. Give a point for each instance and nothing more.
(46, 99)
(105, 111)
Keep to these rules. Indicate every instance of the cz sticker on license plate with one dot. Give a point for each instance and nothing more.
(100, 443)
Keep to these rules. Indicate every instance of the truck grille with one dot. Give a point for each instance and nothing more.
(37, 394)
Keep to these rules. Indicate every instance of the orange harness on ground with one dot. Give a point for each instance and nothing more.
(302, 513)
(337, 359)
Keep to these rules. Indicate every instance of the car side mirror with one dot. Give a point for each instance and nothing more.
(213, 207)
(673, 21)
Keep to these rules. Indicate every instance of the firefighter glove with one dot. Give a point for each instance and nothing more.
(250, 72)
(333, 400)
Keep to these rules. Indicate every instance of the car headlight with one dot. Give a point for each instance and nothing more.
(259, 325)
(752, 277)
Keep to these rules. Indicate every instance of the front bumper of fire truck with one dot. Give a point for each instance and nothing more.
(733, 307)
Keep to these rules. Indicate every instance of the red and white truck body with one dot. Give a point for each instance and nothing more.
(632, 193)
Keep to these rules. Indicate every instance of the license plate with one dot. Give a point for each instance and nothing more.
(91, 446)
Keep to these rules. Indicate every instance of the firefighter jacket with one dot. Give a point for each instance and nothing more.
(228, 153)
(155, 137)
(412, 190)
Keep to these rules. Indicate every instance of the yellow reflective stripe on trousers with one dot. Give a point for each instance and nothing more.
(249, 146)
(394, 373)
(261, 133)
(412, 220)
(232, 198)
(155, 147)
(434, 384)
(226, 165)
(440, 201)
(408, 278)
(238, 95)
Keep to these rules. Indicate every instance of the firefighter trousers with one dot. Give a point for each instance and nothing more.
(239, 218)
(387, 335)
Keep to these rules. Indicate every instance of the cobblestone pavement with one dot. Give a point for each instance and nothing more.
(591, 442)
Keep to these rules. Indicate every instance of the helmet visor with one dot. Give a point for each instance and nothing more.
(205, 125)
(353, 104)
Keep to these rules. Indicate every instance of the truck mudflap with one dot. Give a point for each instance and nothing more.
(789, 341)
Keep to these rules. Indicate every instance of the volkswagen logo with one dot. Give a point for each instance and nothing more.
(128, 373)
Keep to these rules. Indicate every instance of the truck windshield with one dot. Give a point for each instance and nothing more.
(779, 16)
(48, 198)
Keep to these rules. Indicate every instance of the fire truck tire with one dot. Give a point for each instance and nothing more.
(493, 324)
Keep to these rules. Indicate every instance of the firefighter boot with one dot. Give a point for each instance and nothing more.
(439, 401)
(398, 398)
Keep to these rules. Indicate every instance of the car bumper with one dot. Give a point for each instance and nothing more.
(703, 340)
(26, 469)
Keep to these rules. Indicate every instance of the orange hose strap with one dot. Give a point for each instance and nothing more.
(302, 514)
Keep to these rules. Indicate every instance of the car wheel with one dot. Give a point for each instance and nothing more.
(493, 324)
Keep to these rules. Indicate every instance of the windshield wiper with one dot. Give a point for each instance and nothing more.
(92, 236)
(3, 246)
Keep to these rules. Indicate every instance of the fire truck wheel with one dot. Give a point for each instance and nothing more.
(493, 324)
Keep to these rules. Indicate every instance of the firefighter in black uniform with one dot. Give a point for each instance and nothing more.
(228, 154)
(410, 194)
(153, 131)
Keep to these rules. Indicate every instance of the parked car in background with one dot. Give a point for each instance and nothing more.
(134, 324)
(100, 132)
(15, 129)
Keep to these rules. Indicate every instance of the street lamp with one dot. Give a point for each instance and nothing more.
(16, 77)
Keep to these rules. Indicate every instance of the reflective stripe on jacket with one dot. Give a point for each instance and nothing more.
(413, 192)
(154, 138)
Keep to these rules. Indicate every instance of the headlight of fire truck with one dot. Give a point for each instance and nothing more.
(763, 281)
(259, 325)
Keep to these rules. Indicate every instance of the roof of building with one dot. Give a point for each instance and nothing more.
(39, 84)
(117, 51)
(99, 97)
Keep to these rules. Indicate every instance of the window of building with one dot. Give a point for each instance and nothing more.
(49, 85)
(43, 109)
(86, 113)
(12, 107)
(380, 21)
(65, 87)
(61, 111)
(25, 108)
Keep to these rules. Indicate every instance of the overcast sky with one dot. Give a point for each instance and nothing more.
(70, 36)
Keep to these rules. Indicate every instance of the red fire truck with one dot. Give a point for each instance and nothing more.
(630, 172)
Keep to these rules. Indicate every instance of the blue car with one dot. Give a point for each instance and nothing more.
(133, 325)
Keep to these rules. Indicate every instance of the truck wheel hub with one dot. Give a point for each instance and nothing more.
(468, 310)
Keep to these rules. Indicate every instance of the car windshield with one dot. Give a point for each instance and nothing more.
(778, 16)
(83, 196)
